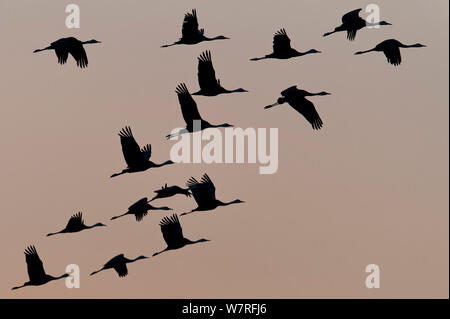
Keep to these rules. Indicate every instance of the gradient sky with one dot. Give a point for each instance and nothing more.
(370, 187)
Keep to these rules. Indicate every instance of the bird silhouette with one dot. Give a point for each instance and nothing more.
(169, 191)
(296, 99)
(209, 85)
(173, 234)
(140, 209)
(76, 224)
(137, 160)
(391, 49)
(119, 264)
(204, 193)
(282, 48)
(191, 116)
(190, 34)
(36, 272)
(352, 22)
(70, 45)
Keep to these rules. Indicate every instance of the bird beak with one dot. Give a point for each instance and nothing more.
(271, 105)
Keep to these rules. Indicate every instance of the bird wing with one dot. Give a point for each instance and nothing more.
(393, 54)
(130, 148)
(121, 269)
(206, 74)
(190, 25)
(281, 42)
(289, 90)
(35, 267)
(351, 17)
(307, 109)
(188, 106)
(76, 221)
(171, 230)
(147, 152)
(61, 50)
(76, 49)
(139, 204)
(204, 192)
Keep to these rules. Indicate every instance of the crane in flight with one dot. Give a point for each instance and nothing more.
(119, 264)
(190, 34)
(76, 224)
(140, 209)
(138, 160)
(36, 272)
(352, 22)
(173, 234)
(282, 48)
(64, 46)
(297, 100)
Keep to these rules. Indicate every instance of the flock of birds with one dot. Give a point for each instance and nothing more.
(203, 191)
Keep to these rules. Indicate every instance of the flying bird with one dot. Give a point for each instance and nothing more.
(138, 160)
(140, 209)
(119, 264)
(209, 85)
(36, 272)
(190, 34)
(173, 234)
(352, 22)
(204, 193)
(169, 191)
(391, 49)
(70, 45)
(282, 48)
(191, 116)
(76, 224)
(296, 99)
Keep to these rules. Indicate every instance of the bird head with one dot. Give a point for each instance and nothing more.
(226, 125)
(314, 51)
(141, 257)
(165, 208)
(221, 37)
(99, 224)
(92, 41)
(385, 23)
(418, 45)
(237, 201)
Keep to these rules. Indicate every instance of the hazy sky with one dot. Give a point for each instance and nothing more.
(370, 187)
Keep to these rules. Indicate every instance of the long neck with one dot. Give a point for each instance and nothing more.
(220, 125)
(163, 164)
(416, 45)
(305, 53)
(219, 203)
(120, 215)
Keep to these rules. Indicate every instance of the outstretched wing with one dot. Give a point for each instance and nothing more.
(290, 90)
(190, 25)
(121, 269)
(281, 42)
(188, 106)
(76, 221)
(76, 50)
(351, 17)
(206, 74)
(204, 192)
(139, 209)
(393, 55)
(147, 152)
(130, 149)
(61, 50)
(35, 267)
(307, 109)
(171, 230)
